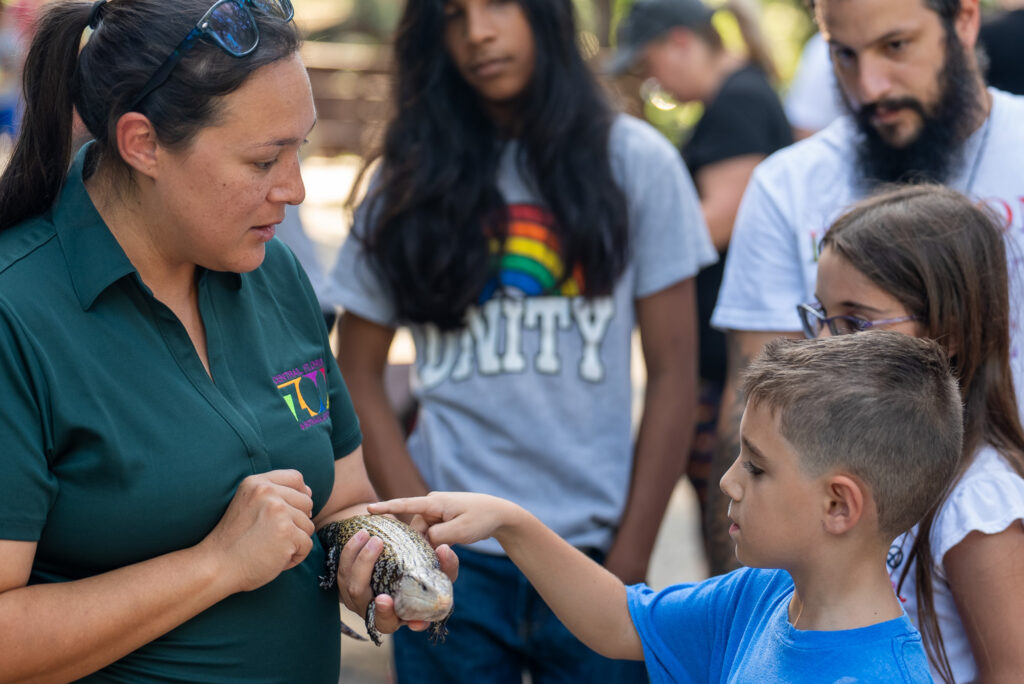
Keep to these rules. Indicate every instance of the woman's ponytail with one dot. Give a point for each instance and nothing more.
(39, 163)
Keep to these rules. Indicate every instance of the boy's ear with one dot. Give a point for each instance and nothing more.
(845, 502)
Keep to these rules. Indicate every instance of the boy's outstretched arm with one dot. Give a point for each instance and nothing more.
(588, 599)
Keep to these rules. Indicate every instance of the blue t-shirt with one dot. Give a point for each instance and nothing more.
(735, 628)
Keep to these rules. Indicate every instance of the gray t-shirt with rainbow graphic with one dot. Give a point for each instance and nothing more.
(532, 400)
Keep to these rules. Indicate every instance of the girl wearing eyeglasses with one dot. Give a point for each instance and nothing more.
(925, 261)
(174, 426)
(520, 228)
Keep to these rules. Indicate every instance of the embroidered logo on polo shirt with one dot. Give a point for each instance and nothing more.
(304, 391)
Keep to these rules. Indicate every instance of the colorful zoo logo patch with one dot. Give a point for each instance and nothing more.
(304, 391)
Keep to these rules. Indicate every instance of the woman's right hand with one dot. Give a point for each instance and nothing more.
(266, 529)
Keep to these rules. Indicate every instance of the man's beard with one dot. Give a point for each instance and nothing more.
(938, 147)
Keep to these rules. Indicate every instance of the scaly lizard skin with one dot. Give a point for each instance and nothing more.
(407, 569)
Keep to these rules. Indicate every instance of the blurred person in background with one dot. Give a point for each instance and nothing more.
(675, 43)
(17, 24)
(1002, 37)
(294, 232)
(522, 229)
(812, 100)
(10, 80)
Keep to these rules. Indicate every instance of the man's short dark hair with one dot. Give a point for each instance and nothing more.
(879, 405)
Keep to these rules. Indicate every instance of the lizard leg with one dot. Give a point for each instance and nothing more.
(371, 627)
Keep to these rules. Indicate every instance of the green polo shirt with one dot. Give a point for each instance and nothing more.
(118, 447)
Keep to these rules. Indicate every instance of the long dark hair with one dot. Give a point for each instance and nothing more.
(944, 259)
(436, 205)
(132, 38)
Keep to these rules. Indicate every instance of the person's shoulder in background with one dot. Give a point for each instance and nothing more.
(1002, 37)
(813, 101)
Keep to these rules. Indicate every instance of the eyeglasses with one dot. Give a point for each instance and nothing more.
(813, 320)
(229, 24)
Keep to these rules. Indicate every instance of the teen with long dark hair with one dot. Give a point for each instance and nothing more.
(174, 426)
(522, 228)
(925, 261)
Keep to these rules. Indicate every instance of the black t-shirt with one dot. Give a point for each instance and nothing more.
(744, 118)
(1003, 40)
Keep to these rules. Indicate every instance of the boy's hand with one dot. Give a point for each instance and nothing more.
(588, 599)
(454, 517)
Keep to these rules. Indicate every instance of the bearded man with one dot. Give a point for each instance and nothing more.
(918, 111)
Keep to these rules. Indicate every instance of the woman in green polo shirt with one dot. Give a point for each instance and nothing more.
(174, 426)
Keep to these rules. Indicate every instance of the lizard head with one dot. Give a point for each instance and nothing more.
(423, 594)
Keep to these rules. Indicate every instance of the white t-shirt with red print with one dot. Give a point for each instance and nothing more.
(796, 194)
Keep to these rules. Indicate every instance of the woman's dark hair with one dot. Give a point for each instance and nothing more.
(435, 203)
(944, 259)
(131, 39)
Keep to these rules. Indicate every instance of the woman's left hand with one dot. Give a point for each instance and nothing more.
(355, 568)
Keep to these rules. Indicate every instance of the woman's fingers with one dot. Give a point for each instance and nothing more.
(266, 528)
(355, 568)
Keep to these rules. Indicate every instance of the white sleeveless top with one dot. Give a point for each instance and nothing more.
(988, 499)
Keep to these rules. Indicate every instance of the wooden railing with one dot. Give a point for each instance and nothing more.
(352, 90)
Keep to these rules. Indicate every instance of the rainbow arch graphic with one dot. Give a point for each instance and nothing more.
(531, 263)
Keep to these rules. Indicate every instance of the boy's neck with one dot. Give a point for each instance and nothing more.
(843, 595)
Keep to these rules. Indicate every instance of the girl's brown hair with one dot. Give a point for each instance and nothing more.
(945, 260)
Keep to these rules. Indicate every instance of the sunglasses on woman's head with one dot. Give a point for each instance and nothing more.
(229, 24)
(813, 320)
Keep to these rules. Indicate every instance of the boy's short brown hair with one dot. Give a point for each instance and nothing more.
(879, 405)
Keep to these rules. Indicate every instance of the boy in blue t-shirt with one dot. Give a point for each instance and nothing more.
(846, 443)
